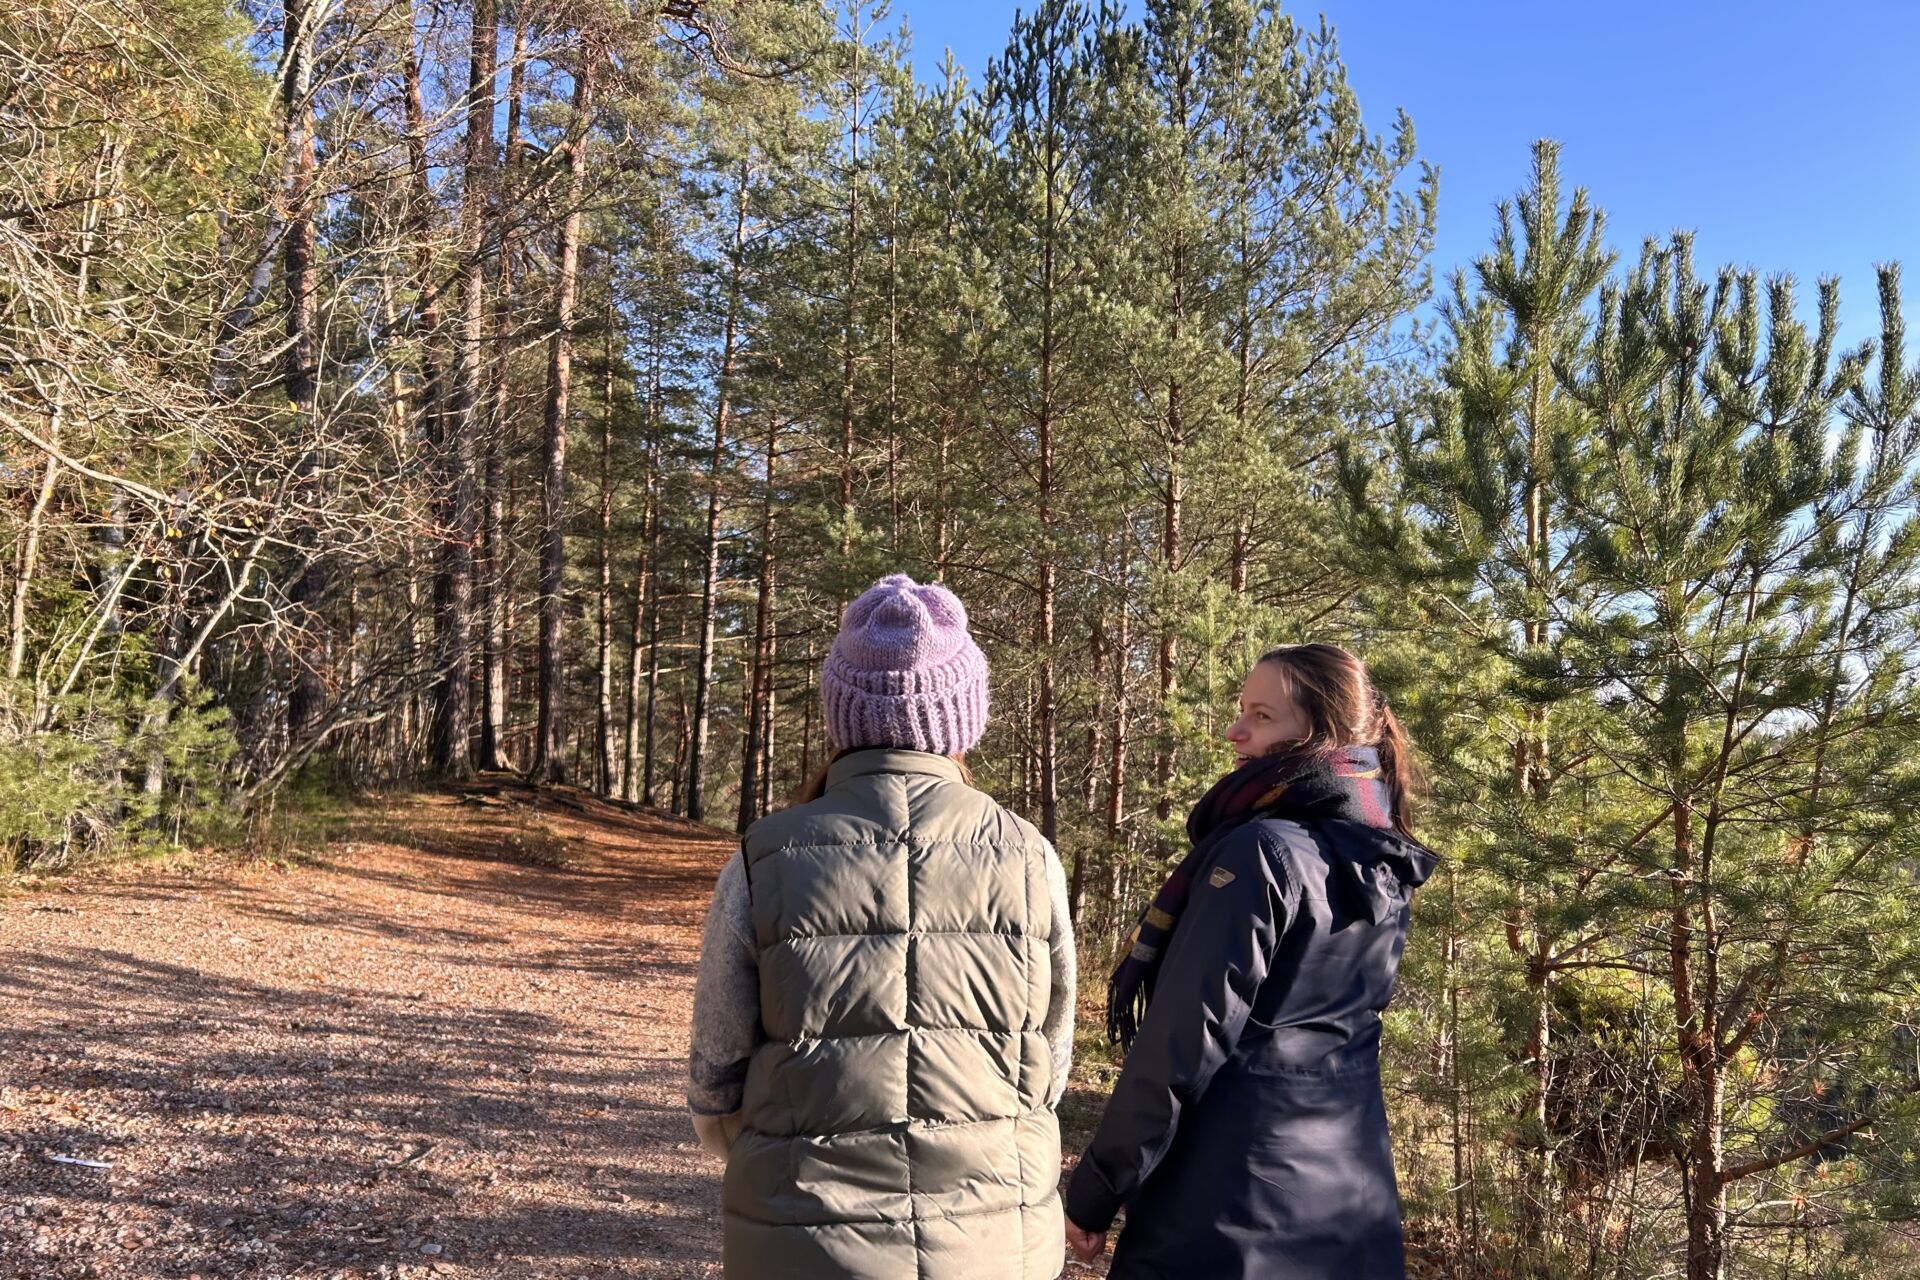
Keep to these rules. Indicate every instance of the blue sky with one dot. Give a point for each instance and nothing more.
(1785, 135)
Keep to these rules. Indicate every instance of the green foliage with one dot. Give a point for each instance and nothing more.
(75, 791)
(1119, 341)
(1664, 524)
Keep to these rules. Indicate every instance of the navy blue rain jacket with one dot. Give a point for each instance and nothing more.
(1247, 1136)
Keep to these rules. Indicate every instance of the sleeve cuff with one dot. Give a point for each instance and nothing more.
(717, 1133)
(1090, 1202)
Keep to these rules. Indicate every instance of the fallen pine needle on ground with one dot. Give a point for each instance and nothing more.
(453, 1047)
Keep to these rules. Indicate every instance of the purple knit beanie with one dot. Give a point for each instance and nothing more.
(904, 672)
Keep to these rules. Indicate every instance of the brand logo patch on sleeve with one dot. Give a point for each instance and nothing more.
(1220, 878)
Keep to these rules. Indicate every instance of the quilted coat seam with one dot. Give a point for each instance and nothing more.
(908, 933)
(898, 1031)
(903, 1127)
(906, 1100)
(803, 846)
(1019, 1156)
(887, 1222)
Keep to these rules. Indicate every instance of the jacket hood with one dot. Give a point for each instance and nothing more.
(1380, 867)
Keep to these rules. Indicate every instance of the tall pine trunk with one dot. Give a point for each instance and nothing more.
(428, 414)
(806, 720)
(653, 659)
(636, 641)
(306, 699)
(643, 606)
(1531, 778)
(770, 701)
(1047, 727)
(604, 776)
(716, 466)
(1456, 1081)
(550, 739)
(1117, 701)
(1172, 499)
(682, 724)
(1090, 773)
(893, 376)
(848, 322)
(759, 719)
(413, 643)
(1181, 257)
(496, 653)
(942, 519)
(453, 713)
(1242, 547)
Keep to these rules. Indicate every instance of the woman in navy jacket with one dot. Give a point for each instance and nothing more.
(1247, 1136)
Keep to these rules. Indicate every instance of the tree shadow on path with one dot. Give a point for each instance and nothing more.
(414, 1055)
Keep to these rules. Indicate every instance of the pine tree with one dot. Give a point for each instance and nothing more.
(459, 424)
(1511, 433)
(1652, 533)
(1725, 550)
(1037, 94)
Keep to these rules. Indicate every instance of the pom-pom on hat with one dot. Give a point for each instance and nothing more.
(904, 672)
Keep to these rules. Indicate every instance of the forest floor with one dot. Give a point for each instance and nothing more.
(452, 1046)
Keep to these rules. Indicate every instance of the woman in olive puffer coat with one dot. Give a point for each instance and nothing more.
(884, 1011)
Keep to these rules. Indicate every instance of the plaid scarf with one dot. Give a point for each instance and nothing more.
(1346, 783)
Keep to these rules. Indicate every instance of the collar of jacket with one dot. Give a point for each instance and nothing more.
(863, 761)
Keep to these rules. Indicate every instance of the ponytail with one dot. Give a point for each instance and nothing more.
(1406, 782)
(1343, 709)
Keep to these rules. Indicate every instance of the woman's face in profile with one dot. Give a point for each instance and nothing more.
(1270, 719)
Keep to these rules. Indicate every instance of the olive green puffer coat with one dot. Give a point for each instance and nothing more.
(896, 1121)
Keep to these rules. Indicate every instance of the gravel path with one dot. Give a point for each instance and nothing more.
(452, 1047)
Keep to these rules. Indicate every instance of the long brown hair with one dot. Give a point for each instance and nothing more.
(1345, 710)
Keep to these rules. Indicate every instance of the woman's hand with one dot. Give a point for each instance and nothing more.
(1086, 1245)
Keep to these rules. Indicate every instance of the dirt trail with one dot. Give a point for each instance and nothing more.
(452, 1047)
